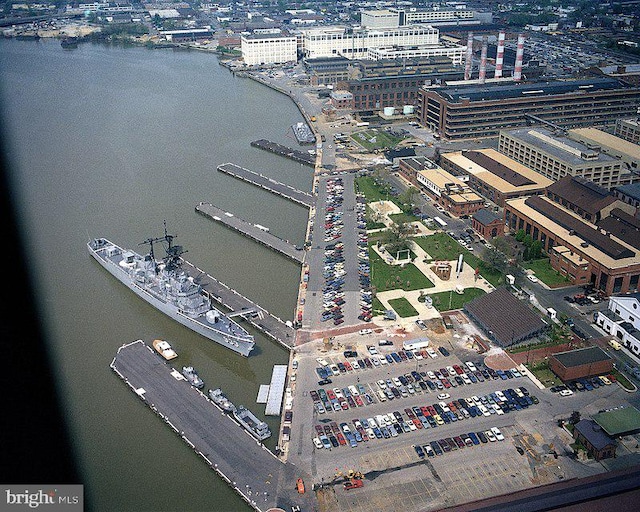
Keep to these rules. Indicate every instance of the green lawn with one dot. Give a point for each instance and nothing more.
(401, 218)
(545, 272)
(445, 301)
(544, 374)
(375, 139)
(393, 277)
(441, 246)
(402, 307)
(366, 185)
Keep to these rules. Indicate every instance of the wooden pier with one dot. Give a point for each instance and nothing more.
(293, 154)
(253, 231)
(266, 183)
(253, 471)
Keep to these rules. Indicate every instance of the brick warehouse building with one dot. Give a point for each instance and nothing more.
(583, 252)
(477, 111)
(580, 363)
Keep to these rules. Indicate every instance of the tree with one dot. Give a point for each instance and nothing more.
(408, 197)
(535, 251)
(495, 259)
(396, 238)
(520, 234)
(575, 417)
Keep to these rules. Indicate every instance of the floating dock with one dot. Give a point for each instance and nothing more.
(253, 471)
(239, 305)
(275, 187)
(292, 154)
(276, 390)
(253, 231)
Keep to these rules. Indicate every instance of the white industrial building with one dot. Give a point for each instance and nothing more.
(354, 43)
(260, 49)
(622, 320)
(455, 52)
(394, 17)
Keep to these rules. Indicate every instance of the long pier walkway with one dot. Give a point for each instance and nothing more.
(259, 234)
(248, 467)
(275, 187)
(303, 157)
(234, 301)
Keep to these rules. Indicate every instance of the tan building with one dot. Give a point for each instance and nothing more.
(556, 156)
(609, 144)
(494, 175)
(583, 252)
(451, 193)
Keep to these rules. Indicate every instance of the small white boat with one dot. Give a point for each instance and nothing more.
(164, 349)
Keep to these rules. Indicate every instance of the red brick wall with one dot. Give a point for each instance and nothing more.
(578, 372)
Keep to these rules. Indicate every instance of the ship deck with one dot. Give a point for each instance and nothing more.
(248, 467)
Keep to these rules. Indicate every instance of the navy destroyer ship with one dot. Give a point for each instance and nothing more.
(165, 285)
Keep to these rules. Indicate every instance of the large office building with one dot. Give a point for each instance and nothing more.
(554, 155)
(395, 17)
(628, 129)
(452, 51)
(482, 110)
(584, 252)
(354, 43)
(609, 144)
(494, 175)
(263, 49)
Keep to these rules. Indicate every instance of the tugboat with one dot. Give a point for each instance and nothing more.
(193, 378)
(166, 286)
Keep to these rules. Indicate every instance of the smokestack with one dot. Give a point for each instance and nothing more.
(483, 60)
(499, 55)
(467, 64)
(517, 72)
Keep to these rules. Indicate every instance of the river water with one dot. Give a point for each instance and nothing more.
(111, 141)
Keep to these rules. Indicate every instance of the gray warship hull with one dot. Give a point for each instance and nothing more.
(224, 331)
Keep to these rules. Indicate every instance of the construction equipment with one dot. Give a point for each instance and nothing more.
(354, 483)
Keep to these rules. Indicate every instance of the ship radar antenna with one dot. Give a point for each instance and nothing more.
(174, 252)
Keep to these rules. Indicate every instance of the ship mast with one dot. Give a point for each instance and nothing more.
(172, 258)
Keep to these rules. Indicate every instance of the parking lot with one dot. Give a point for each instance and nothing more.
(396, 476)
(338, 260)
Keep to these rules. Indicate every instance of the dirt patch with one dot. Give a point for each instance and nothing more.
(499, 361)
(303, 337)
